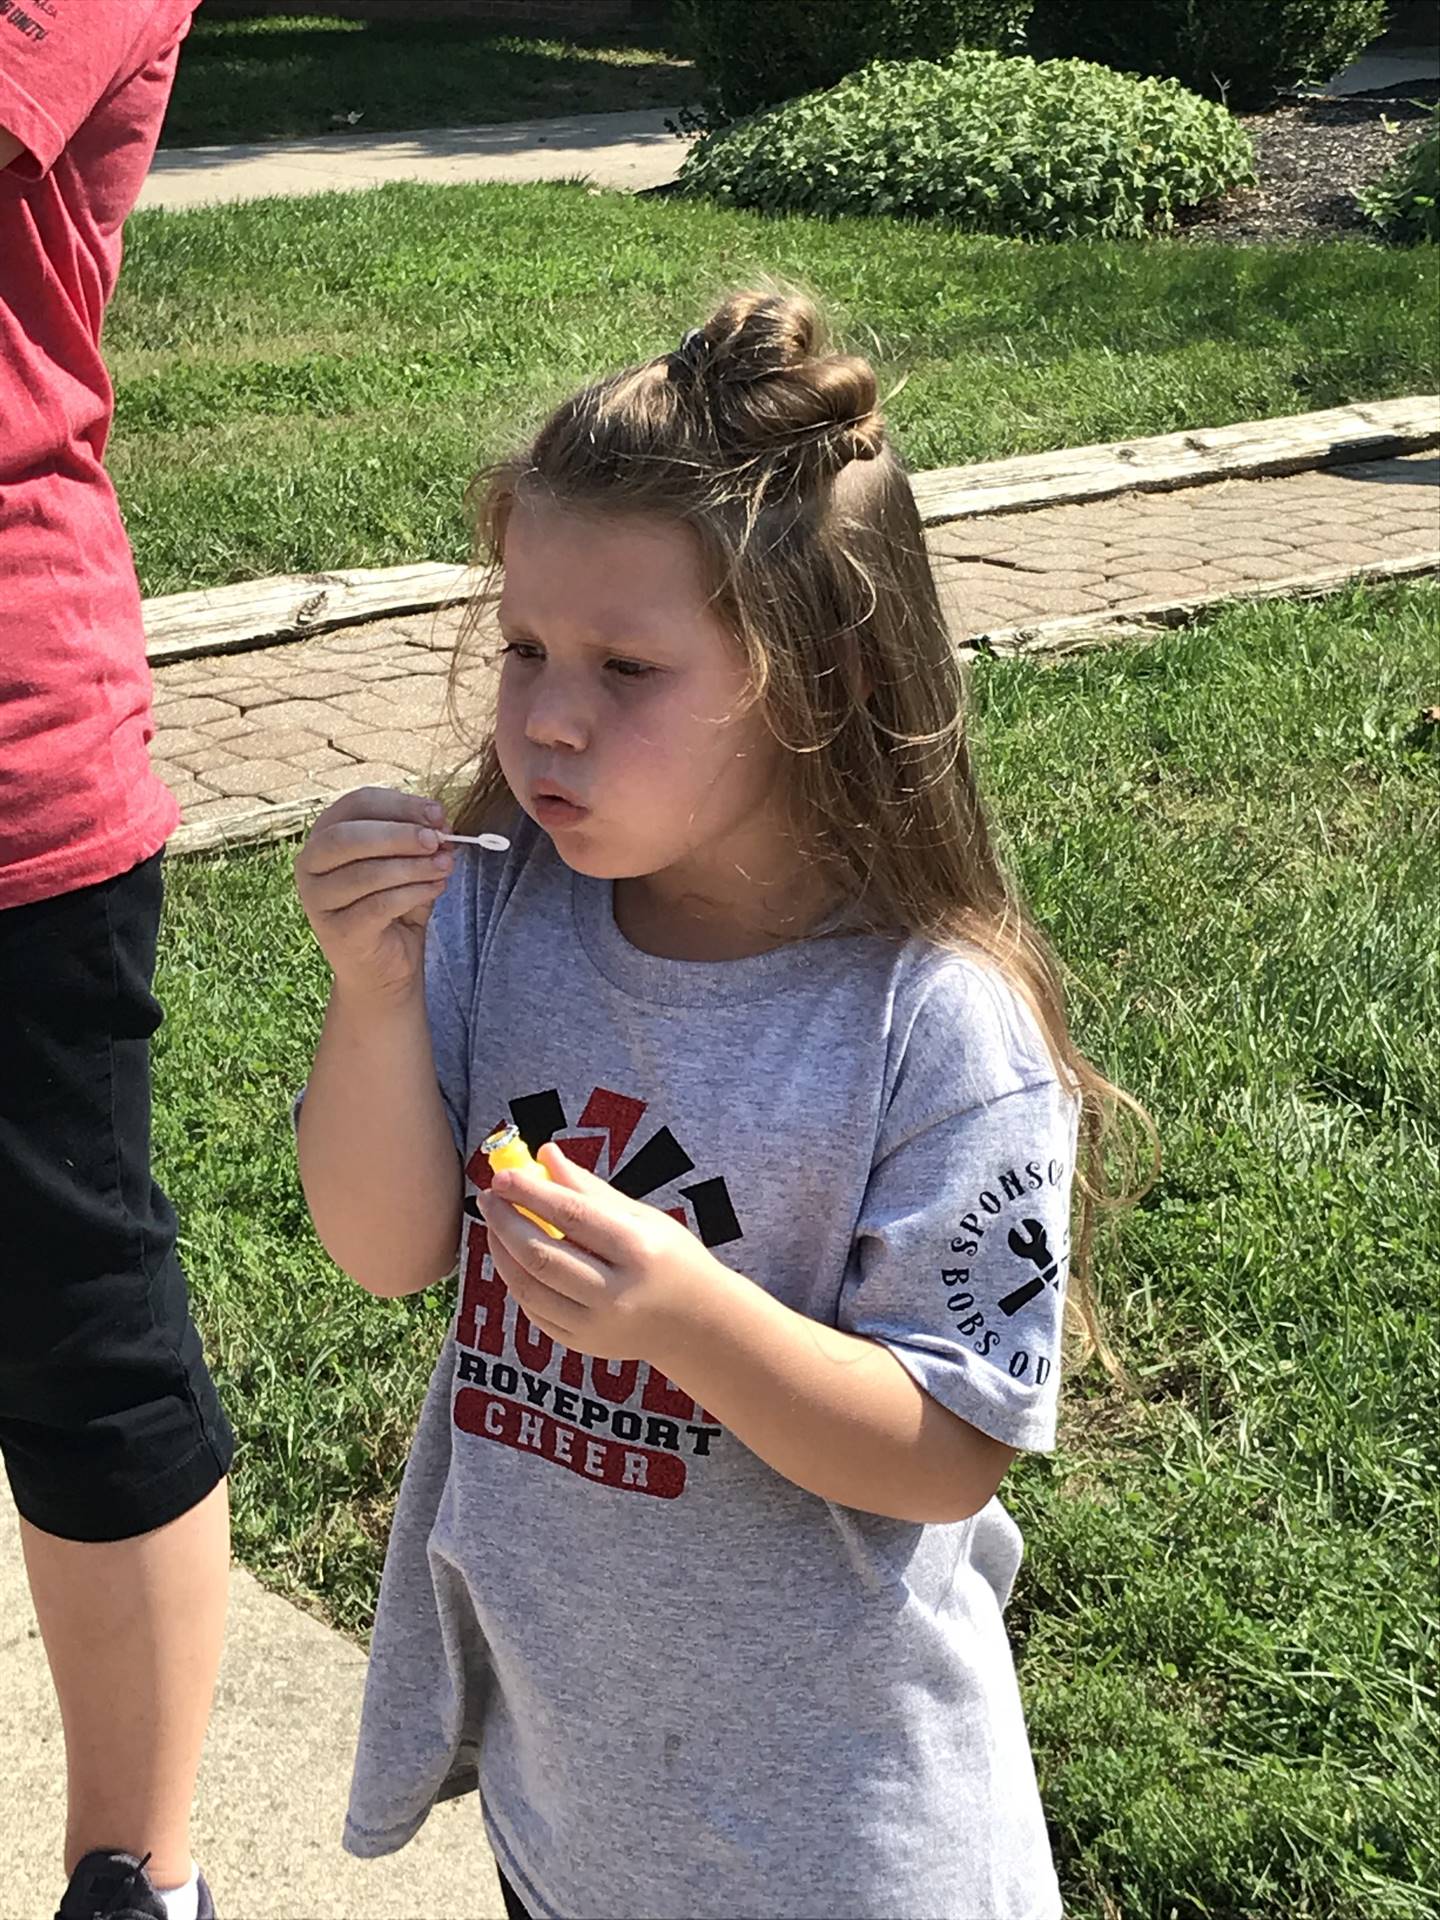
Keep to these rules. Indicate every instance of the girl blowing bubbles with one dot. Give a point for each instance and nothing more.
(698, 1562)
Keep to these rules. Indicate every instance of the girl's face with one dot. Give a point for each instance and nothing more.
(621, 726)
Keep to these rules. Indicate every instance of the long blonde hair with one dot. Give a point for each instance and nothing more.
(749, 435)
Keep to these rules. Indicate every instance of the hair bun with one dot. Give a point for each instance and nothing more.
(867, 439)
(775, 390)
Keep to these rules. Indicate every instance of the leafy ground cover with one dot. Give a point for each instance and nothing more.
(308, 384)
(1043, 150)
(1226, 1622)
(282, 77)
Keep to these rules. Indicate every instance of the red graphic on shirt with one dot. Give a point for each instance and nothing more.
(620, 1423)
(499, 1418)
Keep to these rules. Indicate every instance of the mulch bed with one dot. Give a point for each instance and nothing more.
(1311, 155)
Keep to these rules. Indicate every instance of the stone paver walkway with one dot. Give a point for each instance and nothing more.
(365, 705)
(626, 151)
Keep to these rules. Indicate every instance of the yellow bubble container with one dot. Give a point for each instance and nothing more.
(506, 1151)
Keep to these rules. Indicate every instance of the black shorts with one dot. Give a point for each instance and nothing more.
(109, 1422)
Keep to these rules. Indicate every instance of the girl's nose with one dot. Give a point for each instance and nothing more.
(556, 721)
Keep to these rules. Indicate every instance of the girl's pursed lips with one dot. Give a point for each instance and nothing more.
(552, 790)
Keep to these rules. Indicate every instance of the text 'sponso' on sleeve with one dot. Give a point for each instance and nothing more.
(962, 1248)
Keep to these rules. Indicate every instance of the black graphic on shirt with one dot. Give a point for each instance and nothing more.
(541, 1117)
(16, 16)
(995, 1308)
(1032, 1244)
(622, 1424)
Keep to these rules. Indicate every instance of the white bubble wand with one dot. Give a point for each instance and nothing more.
(492, 842)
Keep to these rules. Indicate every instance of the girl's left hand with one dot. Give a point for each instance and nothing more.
(626, 1283)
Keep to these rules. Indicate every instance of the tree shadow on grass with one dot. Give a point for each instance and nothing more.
(285, 78)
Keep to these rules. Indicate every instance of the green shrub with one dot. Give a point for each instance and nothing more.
(1056, 150)
(1238, 51)
(799, 46)
(1405, 205)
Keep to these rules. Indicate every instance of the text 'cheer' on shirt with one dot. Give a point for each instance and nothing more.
(83, 86)
(690, 1689)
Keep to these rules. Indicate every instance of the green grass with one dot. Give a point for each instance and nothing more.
(309, 384)
(281, 78)
(1226, 1621)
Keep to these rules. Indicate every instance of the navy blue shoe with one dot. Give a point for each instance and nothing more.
(115, 1886)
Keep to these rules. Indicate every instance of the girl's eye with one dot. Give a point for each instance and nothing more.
(531, 650)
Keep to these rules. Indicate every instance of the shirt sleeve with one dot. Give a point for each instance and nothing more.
(962, 1248)
(58, 61)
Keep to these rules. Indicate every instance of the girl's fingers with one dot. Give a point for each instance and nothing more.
(569, 1173)
(543, 1307)
(596, 1218)
(341, 887)
(383, 803)
(347, 842)
(377, 910)
(564, 1270)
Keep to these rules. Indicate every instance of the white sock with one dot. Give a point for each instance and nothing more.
(182, 1903)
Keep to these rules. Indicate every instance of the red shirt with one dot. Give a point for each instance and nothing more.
(84, 84)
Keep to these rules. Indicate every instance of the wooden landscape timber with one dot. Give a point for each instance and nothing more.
(262, 613)
(1077, 632)
(278, 820)
(1250, 450)
(293, 606)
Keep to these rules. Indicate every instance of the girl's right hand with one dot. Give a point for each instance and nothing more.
(368, 876)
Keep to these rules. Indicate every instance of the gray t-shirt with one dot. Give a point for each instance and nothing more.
(691, 1690)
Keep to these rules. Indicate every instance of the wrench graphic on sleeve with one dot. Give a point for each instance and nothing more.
(1030, 1245)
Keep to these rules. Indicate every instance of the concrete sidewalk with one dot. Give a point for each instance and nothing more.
(1392, 68)
(272, 1789)
(625, 151)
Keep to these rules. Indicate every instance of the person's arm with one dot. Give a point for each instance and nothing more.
(378, 1159)
(10, 148)
(833, 1412)
(942, 1360)
(378, 1163)
(61, 65)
